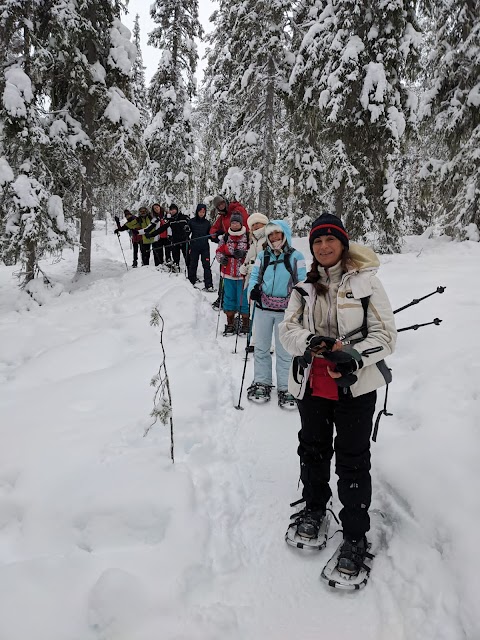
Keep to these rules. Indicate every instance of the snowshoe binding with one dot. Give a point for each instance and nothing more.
(229, 330)
(308, 529)
(286, 399)
(259, 392)
(349, 567)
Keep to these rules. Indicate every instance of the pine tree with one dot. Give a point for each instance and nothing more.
(169, 136)
(139, 88)
(453, 104)
(255, 70)
(92, 59)
(32, 222)
(350, 70)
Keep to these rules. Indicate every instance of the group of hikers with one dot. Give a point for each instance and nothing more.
(315, 317)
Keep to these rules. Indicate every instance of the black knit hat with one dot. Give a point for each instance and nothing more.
(328, 225)
(236, 217)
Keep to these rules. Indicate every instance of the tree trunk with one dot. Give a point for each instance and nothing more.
(265, 203)
(86, 215)
(30, 263)
(339, 195)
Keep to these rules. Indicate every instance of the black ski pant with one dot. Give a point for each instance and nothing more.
(352, 418)
(145, 251)
(176, 253)
(193, 257)
(135, 253)
(157, 248)
(168, 250)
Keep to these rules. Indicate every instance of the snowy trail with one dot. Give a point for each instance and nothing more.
(102, 538)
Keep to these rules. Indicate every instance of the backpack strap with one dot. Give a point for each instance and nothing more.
(266, 262)
(363, 329)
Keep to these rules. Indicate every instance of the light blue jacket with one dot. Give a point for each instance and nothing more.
(277, 280)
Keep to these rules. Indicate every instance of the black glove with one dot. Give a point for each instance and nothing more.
(223, 260)
(117, 231)
(305, 360)
(346, 363)
(239, 253)
(314, 342)
(256, 294)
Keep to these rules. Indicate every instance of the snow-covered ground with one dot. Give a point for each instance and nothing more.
(101, 537)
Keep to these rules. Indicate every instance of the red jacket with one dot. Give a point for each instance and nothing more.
(222, 223)
(226, 247)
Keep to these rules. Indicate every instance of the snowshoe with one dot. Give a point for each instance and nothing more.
(349, 567)
(229, 330)
(209, 289)
(286, 399)
(259, 392)
(308, 529)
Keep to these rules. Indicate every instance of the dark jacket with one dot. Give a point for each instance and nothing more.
(199, 227)
(179, 227)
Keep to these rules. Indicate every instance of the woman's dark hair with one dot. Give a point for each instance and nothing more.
(313, 276)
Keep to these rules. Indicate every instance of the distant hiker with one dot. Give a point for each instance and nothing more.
(179, 237)
(335, 385)
(144, 222)
(200, 228)
(223, 211)
(131, 225)
(277, 269)
(158, 220)
(231, 252)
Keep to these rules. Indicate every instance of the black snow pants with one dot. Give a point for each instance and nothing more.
(145, 251)
(157, 248)
(177, 250)
(352, 419)
(204, 254)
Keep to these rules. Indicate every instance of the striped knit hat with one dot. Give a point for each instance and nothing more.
(328, 225)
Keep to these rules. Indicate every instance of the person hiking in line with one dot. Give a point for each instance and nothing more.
(131, 225)
(335, 384)
(222, 212)
(258, 242)
(158, 219)
(231, 252)
(277, 269)
(180, 230)
(137, 224)
(199, 248)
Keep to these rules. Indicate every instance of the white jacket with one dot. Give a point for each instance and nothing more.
(256, 245)
(299, 323)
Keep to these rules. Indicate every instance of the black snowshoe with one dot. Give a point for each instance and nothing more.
(286, 399)
(229, 330)
(259, 392)
(308, 529)
(349, 567)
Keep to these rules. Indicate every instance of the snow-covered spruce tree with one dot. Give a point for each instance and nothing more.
(350, 67)
(139, 88)
(215, 108)
(91, 98)
(303, 150)
(169, 138)
(32, 221)
(256, 71)
(453, 104)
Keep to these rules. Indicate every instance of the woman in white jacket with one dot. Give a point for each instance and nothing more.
(256, 222)
(340, 304)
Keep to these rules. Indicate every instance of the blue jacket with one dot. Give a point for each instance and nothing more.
(276, 280)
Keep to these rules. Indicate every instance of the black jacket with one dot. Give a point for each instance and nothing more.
(199, 227)
(179, 227)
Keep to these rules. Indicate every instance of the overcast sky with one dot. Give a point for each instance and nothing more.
(151, 55)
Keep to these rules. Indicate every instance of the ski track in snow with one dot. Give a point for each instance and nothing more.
(101, 537)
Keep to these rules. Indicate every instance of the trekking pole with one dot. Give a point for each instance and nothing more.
(239, 314)
(117, 220)
(249, 337)
(417, 300)
(220, 305)
(436, 321)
